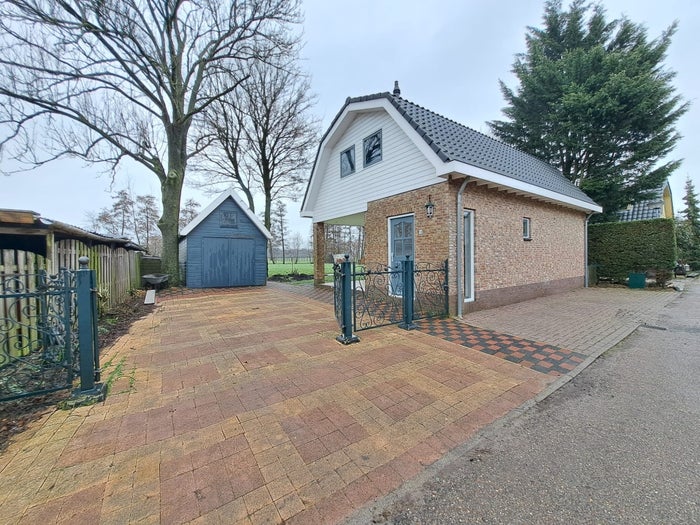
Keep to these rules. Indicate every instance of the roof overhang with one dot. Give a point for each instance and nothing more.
(443, 168)
(24, 230)
(230, 193)
(495, 180)
(336, 130)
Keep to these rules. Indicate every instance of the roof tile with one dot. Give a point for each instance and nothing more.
(453, 141)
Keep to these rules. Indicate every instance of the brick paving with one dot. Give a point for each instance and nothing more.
(538, 356)
(239, 407)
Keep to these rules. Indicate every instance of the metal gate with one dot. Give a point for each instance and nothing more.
(372, 296)
(48, 333)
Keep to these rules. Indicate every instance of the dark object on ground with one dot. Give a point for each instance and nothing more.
(679, 270)
(157, 280)
(290, 277)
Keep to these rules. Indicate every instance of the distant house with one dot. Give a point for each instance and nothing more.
(511, 226)
(225, 245)
(658, 207)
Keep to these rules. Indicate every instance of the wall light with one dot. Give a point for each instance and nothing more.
(429, 208)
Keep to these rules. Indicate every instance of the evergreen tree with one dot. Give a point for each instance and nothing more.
(595, 100)
(688, 227)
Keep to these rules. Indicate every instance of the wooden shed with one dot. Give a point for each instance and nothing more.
(224, 246)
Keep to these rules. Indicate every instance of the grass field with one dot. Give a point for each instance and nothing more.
(292, 268)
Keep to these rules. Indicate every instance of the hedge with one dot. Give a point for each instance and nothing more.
(618, 248)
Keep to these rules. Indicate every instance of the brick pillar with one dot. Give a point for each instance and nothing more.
(319, 252)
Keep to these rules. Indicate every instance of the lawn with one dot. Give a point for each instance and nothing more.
(303, 268)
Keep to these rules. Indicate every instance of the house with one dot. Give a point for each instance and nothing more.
(511, 226)
(658, 207)
(225, 245)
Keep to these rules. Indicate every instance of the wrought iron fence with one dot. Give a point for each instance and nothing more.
(377, 297)
(430, 295)
(38, 336)
(380, 296)
(47, 333)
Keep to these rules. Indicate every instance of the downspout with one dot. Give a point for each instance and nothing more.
(585, 252)
(460, 248)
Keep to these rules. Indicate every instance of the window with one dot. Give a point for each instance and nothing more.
(372, 148)
(228, 219)
(347, 161)
(527, 232)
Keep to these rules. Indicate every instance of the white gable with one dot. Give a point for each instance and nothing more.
(216, 203)
(408, 163)
(403, 167)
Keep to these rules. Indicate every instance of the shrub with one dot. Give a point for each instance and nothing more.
(618, 248)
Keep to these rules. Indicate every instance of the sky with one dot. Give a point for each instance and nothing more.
(448, 56)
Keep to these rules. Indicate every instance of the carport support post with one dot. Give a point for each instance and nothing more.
(347, 336)
(408, 285)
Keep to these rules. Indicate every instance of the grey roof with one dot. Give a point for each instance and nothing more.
(642, 210)
(453, 141)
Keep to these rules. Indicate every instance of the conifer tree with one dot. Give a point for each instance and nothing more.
(595, 100)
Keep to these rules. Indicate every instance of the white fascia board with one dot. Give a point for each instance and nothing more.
(517, 185)
(216, 203)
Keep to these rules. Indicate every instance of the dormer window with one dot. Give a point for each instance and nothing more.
(372, 148)
(347, 161)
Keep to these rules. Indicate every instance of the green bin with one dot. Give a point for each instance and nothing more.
(637, 280)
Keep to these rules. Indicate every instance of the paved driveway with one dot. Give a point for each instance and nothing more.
(239, 406)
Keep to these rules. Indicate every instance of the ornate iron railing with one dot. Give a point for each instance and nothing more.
(430, 296)
(379, 296)
(38, 334)
(376, 297)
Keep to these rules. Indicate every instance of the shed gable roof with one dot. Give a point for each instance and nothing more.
(453, 142)
(230, 193)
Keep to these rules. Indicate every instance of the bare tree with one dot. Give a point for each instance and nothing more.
(188, 212)
(296, 245)
(279, 229)
(111, 80)
(133, 218)
(145, 222)
(264, 134)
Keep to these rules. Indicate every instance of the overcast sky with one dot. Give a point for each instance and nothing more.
(448, 56)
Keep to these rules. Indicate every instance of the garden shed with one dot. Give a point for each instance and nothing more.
(224, 246)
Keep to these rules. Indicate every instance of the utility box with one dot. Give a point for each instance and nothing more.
(637, 280)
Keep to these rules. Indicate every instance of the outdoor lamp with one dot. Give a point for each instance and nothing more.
(429, 208)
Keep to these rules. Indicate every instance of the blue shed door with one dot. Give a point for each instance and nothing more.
(227, 262)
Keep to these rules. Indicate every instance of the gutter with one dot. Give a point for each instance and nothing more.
(585, 252)
(460, 247)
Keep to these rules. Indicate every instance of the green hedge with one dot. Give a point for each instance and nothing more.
(618, 248)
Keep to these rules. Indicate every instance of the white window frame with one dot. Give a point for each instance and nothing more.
(527, 229)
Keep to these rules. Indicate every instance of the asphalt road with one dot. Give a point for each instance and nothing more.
(618, 444)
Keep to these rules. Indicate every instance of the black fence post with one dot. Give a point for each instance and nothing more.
(408, 291)
(446, 287)
(87, 342)
(347, 336)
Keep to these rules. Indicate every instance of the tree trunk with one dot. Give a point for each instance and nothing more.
(171, 191)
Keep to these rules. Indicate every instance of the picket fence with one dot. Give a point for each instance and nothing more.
(117, 270)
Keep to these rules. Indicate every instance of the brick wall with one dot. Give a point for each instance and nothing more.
(506, 267)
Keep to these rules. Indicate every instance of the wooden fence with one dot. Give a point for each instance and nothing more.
(117, 269)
